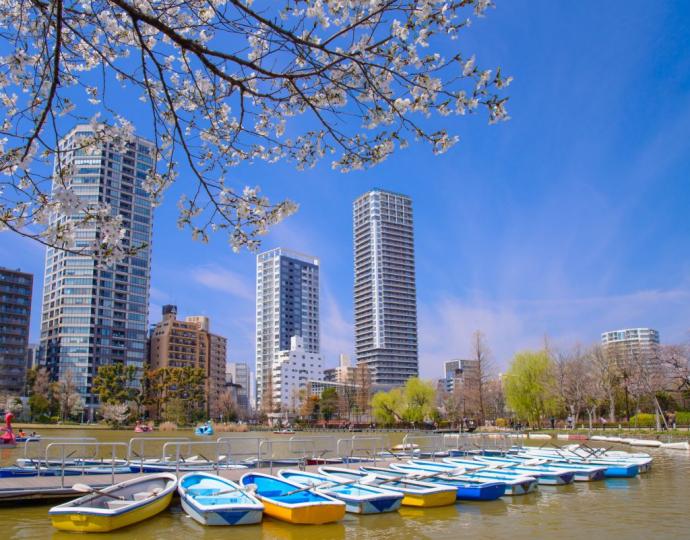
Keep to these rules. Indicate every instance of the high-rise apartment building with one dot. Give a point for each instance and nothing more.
(385, 293)
(287, 305)
(342, 373)
(460, 372)
(632, 345)
(15, 315)
(92, 315)
(238, 373)
(190, 343)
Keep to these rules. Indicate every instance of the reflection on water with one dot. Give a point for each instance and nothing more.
(653, 506)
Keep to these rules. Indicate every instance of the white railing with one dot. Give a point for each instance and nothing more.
(94, 447)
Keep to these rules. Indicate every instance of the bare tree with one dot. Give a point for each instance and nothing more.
(225, 82)
(481, 354)
(573, 373)
(606, 369)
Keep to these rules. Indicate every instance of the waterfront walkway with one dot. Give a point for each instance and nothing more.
(46, 488)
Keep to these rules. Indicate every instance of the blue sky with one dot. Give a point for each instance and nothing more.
(568, 220)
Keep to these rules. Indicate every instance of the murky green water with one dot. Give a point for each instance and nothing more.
(654, 506)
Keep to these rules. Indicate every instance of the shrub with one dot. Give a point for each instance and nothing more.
(501, 422)
(167, 426)
(642, 420)
(231, 427)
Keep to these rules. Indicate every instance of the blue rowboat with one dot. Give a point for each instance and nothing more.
(583, 472)
(213, 500)
(288, 501)
(358, 498)
(466, 491)
(28, 472)
(415, 493)
(518, 483)
(614, 468)
(544, 474)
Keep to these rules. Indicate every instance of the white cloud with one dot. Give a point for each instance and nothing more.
(221, 279)
(510, 326)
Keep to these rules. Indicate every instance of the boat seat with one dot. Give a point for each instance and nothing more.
(200, 492)
(114, 505)
(140, 496)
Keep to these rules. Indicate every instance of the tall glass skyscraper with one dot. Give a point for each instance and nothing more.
(287, 305)
(385, 289)
(93, 316)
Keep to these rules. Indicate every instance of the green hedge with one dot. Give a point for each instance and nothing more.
(642, 420)
(683, 418)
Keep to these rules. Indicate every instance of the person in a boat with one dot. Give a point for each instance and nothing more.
(21, 433)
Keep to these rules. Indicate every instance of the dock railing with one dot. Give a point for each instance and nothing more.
(428, 446)
(34, 448)
(350, 449)
(137, 448)
(92, 450)
(220, 450)
(243, 448)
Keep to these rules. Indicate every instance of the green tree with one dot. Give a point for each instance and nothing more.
(530, 386)
(114, 383)
(388, 407)
(419, 399)
(329, 403)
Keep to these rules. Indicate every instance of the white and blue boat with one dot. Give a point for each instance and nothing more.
(483, 490)
(518, 483)
(358, 498)
(213, 500)
(584, 472)
(545, 475)
(515, 484)
(614, 468)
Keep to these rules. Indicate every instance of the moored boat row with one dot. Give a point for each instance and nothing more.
(300, 497)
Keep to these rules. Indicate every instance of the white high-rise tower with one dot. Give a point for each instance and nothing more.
(287, 305)
(385, 289)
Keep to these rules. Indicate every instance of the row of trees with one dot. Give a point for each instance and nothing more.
(607, 383)
(174, 394)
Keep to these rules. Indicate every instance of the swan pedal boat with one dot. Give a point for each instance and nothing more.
(213, 500)
(142, 498)
(415, 493)
(466, 490)
(281, 502)
(358, 498)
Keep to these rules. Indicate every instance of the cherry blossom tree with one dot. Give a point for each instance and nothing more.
(226, 82)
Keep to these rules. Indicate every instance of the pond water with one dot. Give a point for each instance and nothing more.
(653, 506)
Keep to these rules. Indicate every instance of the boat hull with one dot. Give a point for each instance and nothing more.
(221, 517)
(304, 515)
(378, 506)
(85, 522)
(429, 500)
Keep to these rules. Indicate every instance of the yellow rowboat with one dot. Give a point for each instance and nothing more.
(415, 493)
(116, 506)
(288, 501)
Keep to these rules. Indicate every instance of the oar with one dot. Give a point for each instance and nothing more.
(251, 488)
(83, 488)
(330, 484)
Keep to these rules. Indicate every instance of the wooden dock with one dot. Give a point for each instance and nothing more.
(41, 489)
